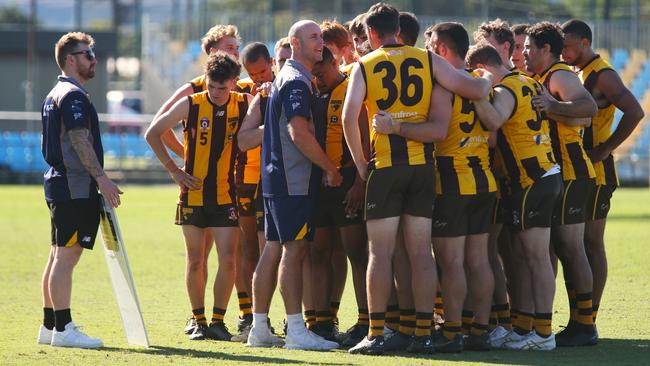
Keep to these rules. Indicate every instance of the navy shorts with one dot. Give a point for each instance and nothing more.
(289, 218)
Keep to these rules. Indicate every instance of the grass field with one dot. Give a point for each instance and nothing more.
(157, 259)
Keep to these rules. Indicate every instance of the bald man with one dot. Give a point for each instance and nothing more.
(292, 159)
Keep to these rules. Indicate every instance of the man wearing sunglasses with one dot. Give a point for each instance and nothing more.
(73, 149)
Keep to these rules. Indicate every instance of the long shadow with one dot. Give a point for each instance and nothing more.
(187, 352)
(608, 352)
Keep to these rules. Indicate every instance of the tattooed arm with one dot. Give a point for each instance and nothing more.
(83, 148)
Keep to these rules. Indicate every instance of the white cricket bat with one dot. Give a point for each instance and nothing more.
(121, 277)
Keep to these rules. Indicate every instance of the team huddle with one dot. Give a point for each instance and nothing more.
(453, 178)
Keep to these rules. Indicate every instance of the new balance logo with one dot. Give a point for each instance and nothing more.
(370, 206)
(86, 239)
(440, 224)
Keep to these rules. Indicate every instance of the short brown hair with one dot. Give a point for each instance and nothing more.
(68, 43)
(221, 67)
(216, 34)
(383, 18)
(357, 25)
(500, 30)
(334, 32)
(519, 29)
(483, 53)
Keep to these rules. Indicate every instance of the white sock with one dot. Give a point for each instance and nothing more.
(260, 320)
(295, 322)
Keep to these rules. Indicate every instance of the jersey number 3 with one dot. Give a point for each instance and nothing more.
(388, 83)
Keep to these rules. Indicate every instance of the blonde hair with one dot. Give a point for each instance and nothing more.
(216, 34)
(68, 43)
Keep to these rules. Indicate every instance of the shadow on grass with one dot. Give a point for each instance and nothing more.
(199, 354)
(628, 217)
(607, 352)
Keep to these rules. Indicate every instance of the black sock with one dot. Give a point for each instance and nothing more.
(48, 318)
(61, 319)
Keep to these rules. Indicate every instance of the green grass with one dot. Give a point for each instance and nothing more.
(156, 253)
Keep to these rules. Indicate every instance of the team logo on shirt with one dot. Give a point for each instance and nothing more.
(232, 214)
(205, 123)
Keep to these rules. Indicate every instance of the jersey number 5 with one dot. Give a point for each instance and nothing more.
(388, 82)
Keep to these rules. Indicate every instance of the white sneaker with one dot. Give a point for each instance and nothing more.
(44, 335)
(258, 337)
(512, 338)
(308, 340)
(534, 342)
(497, 335)
(73, 337)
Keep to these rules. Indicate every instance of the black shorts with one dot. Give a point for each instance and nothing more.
(461, 215)
(571, 208)
(402, 189)
(207, 216)
(289, 218)
(246, 199)
(259, 208)
(533, 206)
(330, 211)
(75, 221)
(598, 202)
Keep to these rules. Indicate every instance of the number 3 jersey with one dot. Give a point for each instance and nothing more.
(399, 80)
(463, 158)
(210, 135)
(523, 142)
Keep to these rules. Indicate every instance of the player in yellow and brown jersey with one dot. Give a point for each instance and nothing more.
(259, 65)
(534, 183)
(498, 34)
(609, 92)
(219, 38)
(564, 97)
(395, 83)
(207, 200)
(462, 212)
(338, 217)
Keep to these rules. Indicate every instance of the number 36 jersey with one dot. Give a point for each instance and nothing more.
(399, 80)
(210, 146)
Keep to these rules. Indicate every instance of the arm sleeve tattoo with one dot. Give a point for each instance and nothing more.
(81, 144)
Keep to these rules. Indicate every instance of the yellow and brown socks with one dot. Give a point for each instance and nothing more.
(438, 309)
(467, 319)
(543, 324)
(377, 322)
(423, 324)
(451, 329)
(503, 315)
(407, 321)
(391, 317)
(310, 318)
(217, 315)
(364, 318)
(523, 324)
(245, 305)
(585, 311)
(478, 329)
(199, 316)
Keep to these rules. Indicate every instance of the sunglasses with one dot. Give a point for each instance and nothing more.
(90, 55)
